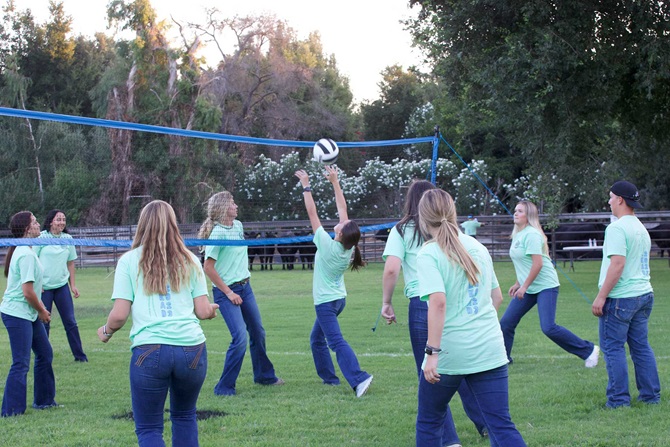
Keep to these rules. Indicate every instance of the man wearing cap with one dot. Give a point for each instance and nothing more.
(625, 300)
(470, 226)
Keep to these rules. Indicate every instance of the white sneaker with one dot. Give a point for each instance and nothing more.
(592, 360)
(362, 387)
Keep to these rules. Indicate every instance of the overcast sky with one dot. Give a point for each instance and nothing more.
(364, 35)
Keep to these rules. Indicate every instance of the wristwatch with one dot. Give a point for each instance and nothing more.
(431, 350)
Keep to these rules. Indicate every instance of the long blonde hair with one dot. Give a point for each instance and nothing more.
(438, 212)
(533, 217)
(164, 259)
(217, 207)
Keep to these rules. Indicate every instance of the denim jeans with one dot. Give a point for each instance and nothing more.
(155, 370)
(546, 308)
(326, 334)
(243, 319)
(489, 390)
(25, 335)
(418, 335)
(625, 320)
(62, 298)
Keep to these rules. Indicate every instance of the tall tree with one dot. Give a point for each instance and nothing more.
(566, 83)
(386, 118)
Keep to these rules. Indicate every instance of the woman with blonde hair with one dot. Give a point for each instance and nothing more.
(402, 246)
(537, 283)
(227, 266)
(24, 315)
(333, 257)
(464, 343)
(161, 283)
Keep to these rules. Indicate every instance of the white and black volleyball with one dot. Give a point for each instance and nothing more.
(326, 151)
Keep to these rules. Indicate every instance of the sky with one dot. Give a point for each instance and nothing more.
(364, 35)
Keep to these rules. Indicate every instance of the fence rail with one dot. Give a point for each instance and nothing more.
(573, 230)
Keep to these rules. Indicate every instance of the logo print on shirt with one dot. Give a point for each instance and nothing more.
(473, 305)
(166, 303)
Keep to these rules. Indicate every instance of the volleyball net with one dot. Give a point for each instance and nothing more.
(374, 176)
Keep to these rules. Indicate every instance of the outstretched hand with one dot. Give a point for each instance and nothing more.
(331, 174)
(303, 177)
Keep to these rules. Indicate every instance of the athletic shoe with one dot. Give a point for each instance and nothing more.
(278, 382)
(453, 445)
(592, 360)
(362, 387)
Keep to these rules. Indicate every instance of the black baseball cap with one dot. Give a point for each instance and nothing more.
(628, 192)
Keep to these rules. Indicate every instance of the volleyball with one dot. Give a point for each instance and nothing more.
(326, 151)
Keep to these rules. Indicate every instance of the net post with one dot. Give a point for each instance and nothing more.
(433, 164)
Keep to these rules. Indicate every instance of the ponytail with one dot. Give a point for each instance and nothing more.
(18, 224)
(357, 262)
(8, 259)
(437, 214)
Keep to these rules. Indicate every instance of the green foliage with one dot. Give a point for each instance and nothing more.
(562, 84)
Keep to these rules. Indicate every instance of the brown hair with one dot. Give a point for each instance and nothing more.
(18, 224)
(165, 258)
(438, 212)
(351, 235)
(411, 211)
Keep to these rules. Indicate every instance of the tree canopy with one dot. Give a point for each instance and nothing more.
(577, 88)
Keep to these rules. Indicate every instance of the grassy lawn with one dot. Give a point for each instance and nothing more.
(554, 400)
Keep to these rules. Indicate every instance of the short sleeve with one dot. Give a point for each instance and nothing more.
(123, 281)
(394, 245)
(430, 277)
(615, 236)
(534, 243)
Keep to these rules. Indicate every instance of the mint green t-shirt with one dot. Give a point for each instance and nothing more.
(54, 259)
(470, 227)
(628, 237)
(232, 262)
(24, 267)
(406, 249)
(472, 341)
(160, 319)
(330, 262)
(526, 243)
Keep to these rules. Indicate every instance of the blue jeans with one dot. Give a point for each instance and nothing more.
(489, 390)
(546, 308)
(240, 320)
(418, 335)
(625, 320)
(155, 370)
(25, 335)
(326, 334)
(63, 300)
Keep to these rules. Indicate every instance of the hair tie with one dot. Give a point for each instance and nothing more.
(444, 220)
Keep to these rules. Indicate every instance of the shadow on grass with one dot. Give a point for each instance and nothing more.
(201, 415)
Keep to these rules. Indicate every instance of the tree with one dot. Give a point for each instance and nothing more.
(386, 118)
(565, 83)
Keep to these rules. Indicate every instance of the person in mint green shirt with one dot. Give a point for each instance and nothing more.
(402, 246)
(59, 279)
(470, 226)
(227, 266)
(537, 284)
(162, 285)
(625, 301)
(24, 316)
(464, 343)
(333, 257)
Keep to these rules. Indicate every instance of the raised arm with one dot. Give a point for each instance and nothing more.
(309, 200)
(331, 175)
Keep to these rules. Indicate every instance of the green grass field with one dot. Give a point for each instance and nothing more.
(554, 400)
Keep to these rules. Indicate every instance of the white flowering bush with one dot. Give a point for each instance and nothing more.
(272, 192)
